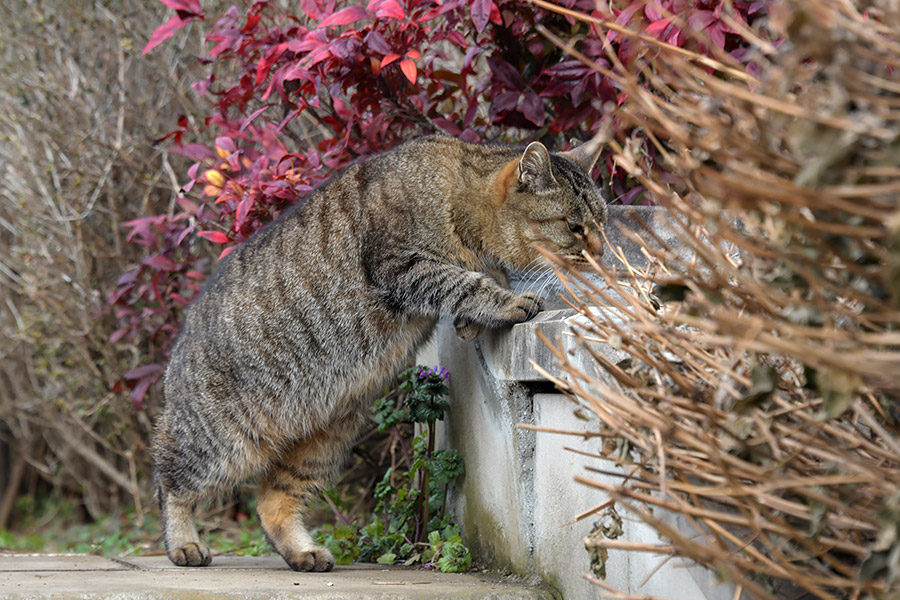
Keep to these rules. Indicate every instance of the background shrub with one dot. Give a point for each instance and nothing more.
(126, 174)
(79, 106)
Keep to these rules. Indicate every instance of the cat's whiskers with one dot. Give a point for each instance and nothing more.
(531, 274)
(549, 277)
(616, 199)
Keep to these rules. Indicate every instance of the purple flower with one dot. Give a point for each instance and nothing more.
(438, 371)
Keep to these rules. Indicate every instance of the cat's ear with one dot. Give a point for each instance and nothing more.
(534, 167)
(586, 155)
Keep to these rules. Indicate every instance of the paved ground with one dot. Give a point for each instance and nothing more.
(64, 577)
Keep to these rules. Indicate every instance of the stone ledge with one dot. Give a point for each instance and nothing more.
(508, 354)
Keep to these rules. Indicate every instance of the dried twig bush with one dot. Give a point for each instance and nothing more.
(79, 109)
(759, 399)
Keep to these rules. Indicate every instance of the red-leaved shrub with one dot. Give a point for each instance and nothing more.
(295, 97)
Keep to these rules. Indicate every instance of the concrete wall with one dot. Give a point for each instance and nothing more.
(517, 501)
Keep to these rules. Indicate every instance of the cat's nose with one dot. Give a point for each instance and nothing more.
(594, 243)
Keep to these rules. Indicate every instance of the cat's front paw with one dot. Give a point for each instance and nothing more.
(523, 308)
(467, 330)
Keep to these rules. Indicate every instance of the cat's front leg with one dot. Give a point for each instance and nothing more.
(424, 283)
(468, 330)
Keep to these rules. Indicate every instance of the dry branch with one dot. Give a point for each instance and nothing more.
(760, 399)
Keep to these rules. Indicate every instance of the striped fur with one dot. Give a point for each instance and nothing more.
(303, 325)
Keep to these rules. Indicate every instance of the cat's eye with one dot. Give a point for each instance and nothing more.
(577, 230)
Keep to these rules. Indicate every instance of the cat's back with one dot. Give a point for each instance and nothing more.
(300, 283)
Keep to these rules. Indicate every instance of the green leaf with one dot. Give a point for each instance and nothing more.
(455, 558)
(344, 532)
(387, 558)
(374, 530)
(445, 466)
(345, 550)
(434, 538)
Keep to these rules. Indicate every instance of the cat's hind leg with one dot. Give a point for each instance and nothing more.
(183, 545)
(288, 488)
(193, 464)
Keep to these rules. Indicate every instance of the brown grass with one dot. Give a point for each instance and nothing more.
(79, 108)
(760, 399)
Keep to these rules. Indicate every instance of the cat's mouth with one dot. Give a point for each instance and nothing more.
(581, 263)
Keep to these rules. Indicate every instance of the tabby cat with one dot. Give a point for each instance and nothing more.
(301, 327)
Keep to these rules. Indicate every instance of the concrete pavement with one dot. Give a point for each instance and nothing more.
(83, 577)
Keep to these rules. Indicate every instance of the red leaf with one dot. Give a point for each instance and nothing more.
(496, 19)
(265, 63)
(448, 126)
(345, 16)
(388, 8)
(377, 43)
(118, 334)
(243, 209)
(160, 262)
(195, 151)
(216, 237)
(471, 53)
(654, 10)
(506, 74)
(481, 13)
(164, 32)
(631, 195)
(115, 295)
(226, 252)
(623, 19)
(716, 36)
(250, 118)
(657, 28)
(202, 85)
(140, 390)
(187, 231)
(533, 109)
(505, 102)
(470, 136)
(143, 371)
(252, 21)
(189, 6)
(699, 20)
(226, 144)
(569, 69)
(388, 59)
(179, 299)
(129, 277)
(470, 114)
(457, 38)
(443, 8)
(409, 69)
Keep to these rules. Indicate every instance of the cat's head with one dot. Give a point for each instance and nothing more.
(551, 200)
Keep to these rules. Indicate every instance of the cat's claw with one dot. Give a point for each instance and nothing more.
(524, 307)
(467, 330)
